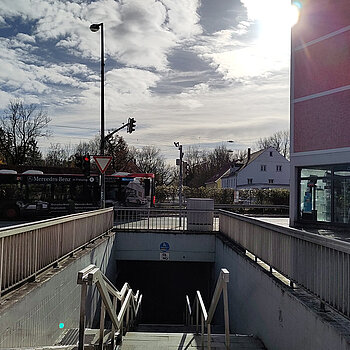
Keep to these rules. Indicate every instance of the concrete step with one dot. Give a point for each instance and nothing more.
(190, 341)
(164, 328)
(174, 328)
(69, 339)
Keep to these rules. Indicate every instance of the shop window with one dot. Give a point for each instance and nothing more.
(342, 199)
(315, 195)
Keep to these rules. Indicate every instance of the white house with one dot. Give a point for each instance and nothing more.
(266, 168)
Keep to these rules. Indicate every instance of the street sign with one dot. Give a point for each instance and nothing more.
(102, 162)
(164, 246)
(164, 256)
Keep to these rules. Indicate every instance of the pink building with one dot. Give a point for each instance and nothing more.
(320, 114)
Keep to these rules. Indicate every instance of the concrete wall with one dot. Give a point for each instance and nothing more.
(182, 247)
(31, 315)
(281, 317)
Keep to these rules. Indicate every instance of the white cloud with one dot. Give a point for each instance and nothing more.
(25, 38)
(140, 35)
(242, 58)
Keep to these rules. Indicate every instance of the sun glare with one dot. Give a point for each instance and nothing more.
(275, 18)
(294, 13)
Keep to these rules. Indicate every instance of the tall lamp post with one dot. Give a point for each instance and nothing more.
(95, 28)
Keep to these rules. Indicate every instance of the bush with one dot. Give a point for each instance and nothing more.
(222, 196)
(276, 196)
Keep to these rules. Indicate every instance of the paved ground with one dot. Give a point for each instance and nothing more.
(182, 341)
(341, 234)
(4, 223)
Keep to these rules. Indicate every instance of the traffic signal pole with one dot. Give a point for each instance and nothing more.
(95, 27)
(181, 177)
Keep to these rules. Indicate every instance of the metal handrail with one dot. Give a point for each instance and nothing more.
(127, 218)
(317, 263)
(207, 317)
(28, 249)
(129, 308)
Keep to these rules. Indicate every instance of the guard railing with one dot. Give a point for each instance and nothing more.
(28, 249)
(198, 310)
(111, 298)
(165, 219)
(319, 264)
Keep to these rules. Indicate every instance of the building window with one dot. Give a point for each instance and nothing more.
(315, 196)
(278, 168)
(263, 168)
(270, 181)
(271, 154)
(250, 181)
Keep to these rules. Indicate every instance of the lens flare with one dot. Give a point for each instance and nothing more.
(294, 13)
(297, 4)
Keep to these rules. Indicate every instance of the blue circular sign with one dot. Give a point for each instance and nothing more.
(164, 246)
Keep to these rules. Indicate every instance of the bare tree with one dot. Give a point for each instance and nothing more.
(20, 128)
(202, 165)
(122, 159)
(115, 146)
(90, 147)
(58, 155)
(239, 155)
(280, 140)
(150, 160)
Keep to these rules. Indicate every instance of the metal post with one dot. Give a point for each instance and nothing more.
(209, 336)
(202, 331)
(82, 317)
(226, 317)
(112, 337)
(1, 264)
(181, 179)
(197, 316)
(102, 145)
(102, 325)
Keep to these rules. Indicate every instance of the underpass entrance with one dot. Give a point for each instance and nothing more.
(164, 285)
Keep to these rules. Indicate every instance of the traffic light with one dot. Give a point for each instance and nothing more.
(185, 169)
(86, 165)
(131, 125)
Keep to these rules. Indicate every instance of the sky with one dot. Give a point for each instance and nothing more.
(196, 72)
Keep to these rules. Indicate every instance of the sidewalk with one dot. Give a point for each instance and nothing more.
(341, 234)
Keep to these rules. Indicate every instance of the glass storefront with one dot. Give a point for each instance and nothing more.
(324, 194)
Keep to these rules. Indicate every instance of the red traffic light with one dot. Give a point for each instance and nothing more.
(87, 159)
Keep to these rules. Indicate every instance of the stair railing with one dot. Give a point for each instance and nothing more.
(129, 304)
(207, 317)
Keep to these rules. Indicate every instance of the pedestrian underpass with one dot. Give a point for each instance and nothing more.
(282, 315)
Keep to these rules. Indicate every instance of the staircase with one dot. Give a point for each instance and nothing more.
(182, 341)
(197, 333)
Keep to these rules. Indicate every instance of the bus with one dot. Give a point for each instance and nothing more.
(34, 193)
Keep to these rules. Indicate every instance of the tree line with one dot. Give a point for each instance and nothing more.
(22, 126)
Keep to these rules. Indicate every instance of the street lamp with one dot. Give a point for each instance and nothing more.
(95, 28)
(179, 147)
